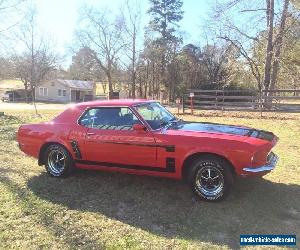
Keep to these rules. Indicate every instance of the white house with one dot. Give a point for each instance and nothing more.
(65, 91)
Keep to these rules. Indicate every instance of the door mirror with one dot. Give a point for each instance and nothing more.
(139, 127)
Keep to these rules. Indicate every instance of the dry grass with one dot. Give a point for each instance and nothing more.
(96, 210)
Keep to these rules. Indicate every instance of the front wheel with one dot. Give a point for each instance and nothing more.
(59, 162)
(210, 178)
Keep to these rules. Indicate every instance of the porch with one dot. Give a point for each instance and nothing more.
(81, 95)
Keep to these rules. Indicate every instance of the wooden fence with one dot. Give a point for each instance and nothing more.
(243, 100)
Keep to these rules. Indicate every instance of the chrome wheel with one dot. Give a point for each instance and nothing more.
(209, 180)
(56, 162)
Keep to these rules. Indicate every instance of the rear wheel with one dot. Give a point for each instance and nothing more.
(59, 162)
(210, 178)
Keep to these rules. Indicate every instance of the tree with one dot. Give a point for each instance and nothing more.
(6, 68)
(102, 32)
(165, 15)
(288, 61)
(278, 44)
(269, 51)
(84, 66)
(216, 60)
(37, 59)
(11, 14)
(132, 17)
(242, 31)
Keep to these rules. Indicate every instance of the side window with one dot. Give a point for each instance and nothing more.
(109, 118)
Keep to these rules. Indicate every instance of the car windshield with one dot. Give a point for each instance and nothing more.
(155, 115)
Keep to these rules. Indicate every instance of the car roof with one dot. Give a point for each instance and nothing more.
(72, 113)
(115, 102)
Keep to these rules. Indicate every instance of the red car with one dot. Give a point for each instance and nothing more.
(142, 137)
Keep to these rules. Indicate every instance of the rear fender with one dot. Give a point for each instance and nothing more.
(51, 141)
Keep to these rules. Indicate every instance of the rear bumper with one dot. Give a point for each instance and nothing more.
(262, 169)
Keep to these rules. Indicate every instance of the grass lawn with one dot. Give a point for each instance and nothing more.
(97, 210)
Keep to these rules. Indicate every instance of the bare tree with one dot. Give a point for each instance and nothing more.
(269, 50)
(102, 32)
(278, 43)
(251, 62)
(84, 66)
(132, 16)
(12, 14)
(37, 59)
(269, 37)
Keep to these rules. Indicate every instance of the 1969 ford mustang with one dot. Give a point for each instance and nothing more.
(142, 137)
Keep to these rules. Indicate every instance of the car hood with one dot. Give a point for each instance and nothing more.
(221, 129)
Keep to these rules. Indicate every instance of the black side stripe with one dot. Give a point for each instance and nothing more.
(169, 169)
(169, 148)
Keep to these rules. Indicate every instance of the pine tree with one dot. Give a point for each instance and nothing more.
(165, 15)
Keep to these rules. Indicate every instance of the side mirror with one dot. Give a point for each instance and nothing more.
(139, 127)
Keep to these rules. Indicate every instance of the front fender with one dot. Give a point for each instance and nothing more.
(237, 158)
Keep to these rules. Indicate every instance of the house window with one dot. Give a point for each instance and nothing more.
(43, 91)
(62, 92)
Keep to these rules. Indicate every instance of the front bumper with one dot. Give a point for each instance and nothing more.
(272, 161)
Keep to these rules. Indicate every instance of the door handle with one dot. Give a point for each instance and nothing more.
(90, 133)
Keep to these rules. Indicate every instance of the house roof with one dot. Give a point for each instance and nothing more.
(77, 84)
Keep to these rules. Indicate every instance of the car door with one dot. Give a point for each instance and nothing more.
(111, 140)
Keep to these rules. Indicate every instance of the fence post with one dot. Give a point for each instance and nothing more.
(192, 105)
(216, 100)
(192, 102)
(260, 100)
(223, 102)
(177, 102)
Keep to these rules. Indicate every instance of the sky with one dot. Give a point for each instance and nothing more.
(58, 18)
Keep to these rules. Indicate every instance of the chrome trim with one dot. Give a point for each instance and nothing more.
(268, 167)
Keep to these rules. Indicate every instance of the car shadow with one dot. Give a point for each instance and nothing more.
(168, 208)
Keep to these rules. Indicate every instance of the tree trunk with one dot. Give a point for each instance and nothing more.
(146, 80)
(26, 90)
(32, 88)
(153, 81)
(133, 64)
(269, 51)
(110, 84)
(278, 45)
(140, 85)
